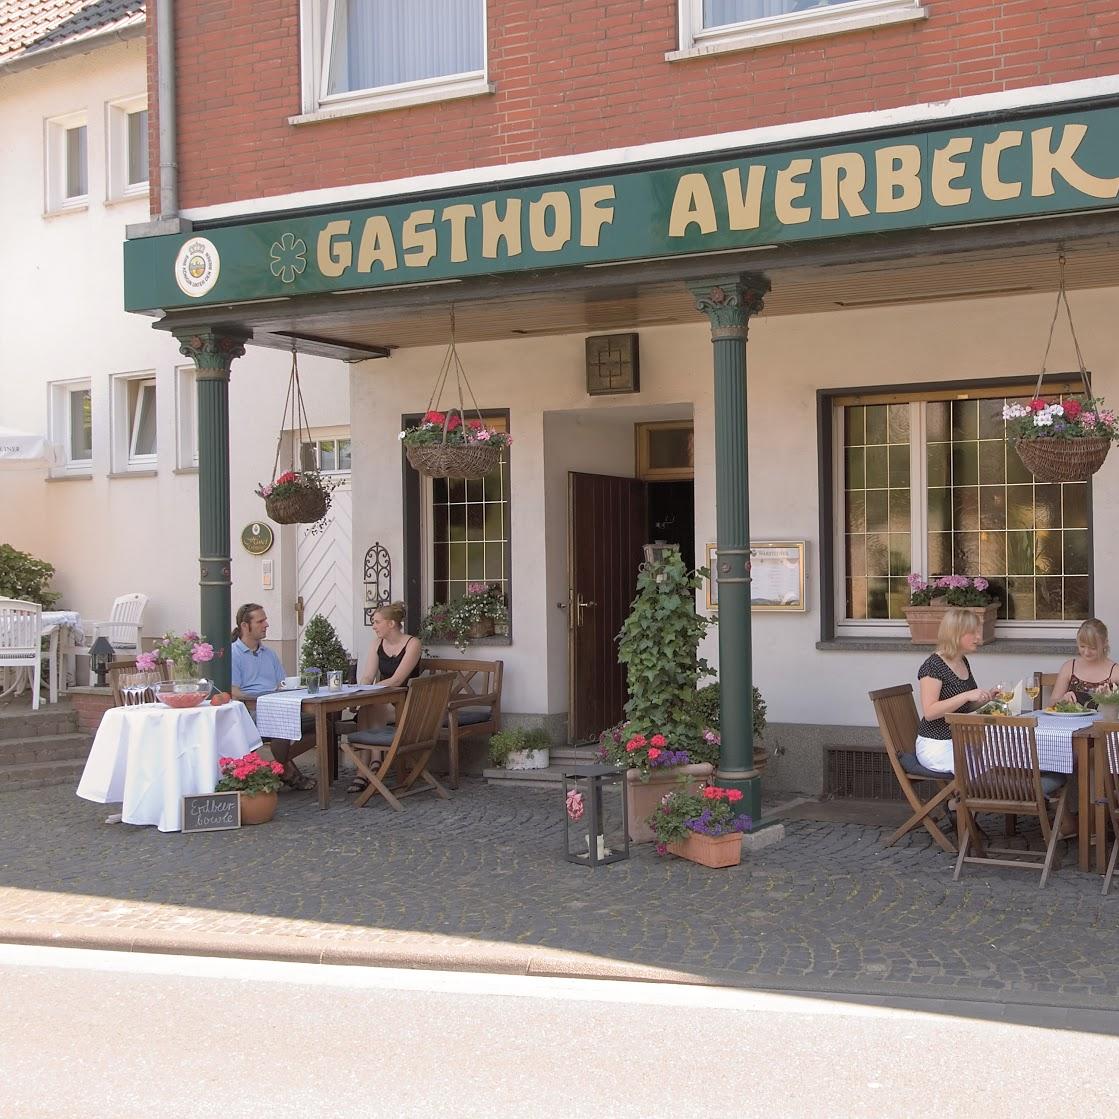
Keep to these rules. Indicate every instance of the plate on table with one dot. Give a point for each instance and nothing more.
(1067, 714)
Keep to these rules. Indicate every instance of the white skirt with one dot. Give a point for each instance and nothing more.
(936, 754)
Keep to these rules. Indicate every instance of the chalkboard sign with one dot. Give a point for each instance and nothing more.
(212, 812)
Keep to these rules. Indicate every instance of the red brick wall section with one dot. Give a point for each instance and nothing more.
(579, 75)
(90, 708)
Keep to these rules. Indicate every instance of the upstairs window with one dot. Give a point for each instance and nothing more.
(128, 148)
(71, 423)
(134, 422)
(709, 26)
(361, 55)
(67, 163)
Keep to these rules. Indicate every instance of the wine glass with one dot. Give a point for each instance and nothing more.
(1033, 691)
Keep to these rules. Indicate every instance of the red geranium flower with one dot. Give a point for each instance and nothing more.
(474, 425)
(657, 740)
(654, 753)
(454, 421)
(734, 795)
(1072, 409)
(1038, 404)
(434, 417)
(288, 476)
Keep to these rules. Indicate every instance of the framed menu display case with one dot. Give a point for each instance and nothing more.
(776, 576)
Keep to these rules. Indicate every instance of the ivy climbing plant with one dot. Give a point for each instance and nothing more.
(658, 646)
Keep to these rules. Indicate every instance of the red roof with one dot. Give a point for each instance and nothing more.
(30, 26)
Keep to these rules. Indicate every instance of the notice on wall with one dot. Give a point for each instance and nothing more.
(776, 576)
(212, 812)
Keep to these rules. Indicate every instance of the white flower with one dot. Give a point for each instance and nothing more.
(1056, 410)
(1043, 418)
(402, 435)
(1015, 411)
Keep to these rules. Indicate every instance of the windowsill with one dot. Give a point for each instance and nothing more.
(1027, 646)
(497, 639)
(185, 470)
(134, 474)
(67, 208)
(137, 194)
(831, 22)
(75, 477)
(389, 101)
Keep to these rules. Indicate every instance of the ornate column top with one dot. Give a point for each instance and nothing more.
(730, 301)
(212, 350)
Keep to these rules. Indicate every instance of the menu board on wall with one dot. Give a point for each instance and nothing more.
(776, 576)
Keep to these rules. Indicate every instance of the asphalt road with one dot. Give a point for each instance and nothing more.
(88, 1034)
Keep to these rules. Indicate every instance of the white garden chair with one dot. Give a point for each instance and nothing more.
(21, 629)
(122, 630)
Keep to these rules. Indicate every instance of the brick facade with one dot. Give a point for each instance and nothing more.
(576, 76)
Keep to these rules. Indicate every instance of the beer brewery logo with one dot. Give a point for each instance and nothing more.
(197, 267)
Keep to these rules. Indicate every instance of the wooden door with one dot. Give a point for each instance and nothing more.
(325, 566)
(606, 529)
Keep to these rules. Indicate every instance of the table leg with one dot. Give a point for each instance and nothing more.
(322, 755)
(1084, 819)
(1099, 809)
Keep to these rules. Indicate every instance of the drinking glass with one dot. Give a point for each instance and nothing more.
(1033, 691)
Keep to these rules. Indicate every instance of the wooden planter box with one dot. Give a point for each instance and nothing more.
(924, 621)
(643, 797)
(710, 850)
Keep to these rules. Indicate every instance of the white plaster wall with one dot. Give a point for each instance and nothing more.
(61, 317)
(541, 382)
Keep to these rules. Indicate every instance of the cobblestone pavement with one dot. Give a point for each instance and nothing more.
(481, 878)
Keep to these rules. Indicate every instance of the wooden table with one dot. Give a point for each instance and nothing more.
(325, 706)
(1092, 821)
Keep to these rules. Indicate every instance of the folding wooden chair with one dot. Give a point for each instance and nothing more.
(997, 770)
(1107, 741)
(897, 720)
(412, 740)
(1044, 682)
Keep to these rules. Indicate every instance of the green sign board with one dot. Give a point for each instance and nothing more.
(952, 176)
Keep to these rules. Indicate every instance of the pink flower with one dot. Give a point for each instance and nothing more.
(632, 745)
(190, 635)
(979, 583)
(482, 435)
(146, 662)
(202, 652)
(1088, 419)
(710, 792)
(653, 753)
(657, 740)
(734, 795)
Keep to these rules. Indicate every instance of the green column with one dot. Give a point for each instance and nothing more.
(729, 301)
(213, 352)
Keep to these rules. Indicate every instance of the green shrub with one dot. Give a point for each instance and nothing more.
(321, 647)
(24, 577)
(509, 741)
(705, 707)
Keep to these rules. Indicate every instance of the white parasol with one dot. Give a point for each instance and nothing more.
(21, 448)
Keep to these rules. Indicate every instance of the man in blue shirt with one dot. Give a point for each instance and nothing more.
(256, 670)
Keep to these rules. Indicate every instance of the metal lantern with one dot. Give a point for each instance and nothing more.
(658, 550)
(597, 828)
(101, 655)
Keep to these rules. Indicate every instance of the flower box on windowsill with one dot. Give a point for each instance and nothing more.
(924, 621)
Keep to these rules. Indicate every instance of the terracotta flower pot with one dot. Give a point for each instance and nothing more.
(643, 796)
(257, 808)
(710, 850)
(483, 627)
(924, 621)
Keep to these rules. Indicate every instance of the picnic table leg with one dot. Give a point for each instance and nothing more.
(1084, 820)
(1099, 755)
(322, 755)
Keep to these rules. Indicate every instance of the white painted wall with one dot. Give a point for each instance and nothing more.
(541, 381)
(61, 317)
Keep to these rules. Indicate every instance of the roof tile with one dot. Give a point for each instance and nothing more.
(28, 26)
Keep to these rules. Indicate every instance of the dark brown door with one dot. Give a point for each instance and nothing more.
(606, 529)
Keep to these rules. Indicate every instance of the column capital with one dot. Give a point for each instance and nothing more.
(212, 350)
(730, 301)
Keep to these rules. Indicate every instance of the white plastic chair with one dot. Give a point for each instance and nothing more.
(123, 627)
(21, 628)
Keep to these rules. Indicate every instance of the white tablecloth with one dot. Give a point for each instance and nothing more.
(67, 619)
(1054, 740)
(277, 713)
(148, 758)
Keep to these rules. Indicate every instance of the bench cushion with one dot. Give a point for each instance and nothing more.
(1053, 783)
(381, 737)
(468, 716)
(914, 768)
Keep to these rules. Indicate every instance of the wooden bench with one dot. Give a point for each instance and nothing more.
(474, 707)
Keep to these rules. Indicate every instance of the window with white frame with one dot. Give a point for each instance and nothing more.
(71, 423)
(715, 25)
(927, 482)
(368, 54)
(134, 421)
(67, 163)
(186, 418)
(127, 130)
(330, 455)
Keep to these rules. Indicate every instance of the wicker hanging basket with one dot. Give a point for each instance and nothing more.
(305, 505)
(1050, 459)
(453, 460)
(1062, 460)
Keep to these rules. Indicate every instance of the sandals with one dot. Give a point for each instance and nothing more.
(298, 781)
(358, 785)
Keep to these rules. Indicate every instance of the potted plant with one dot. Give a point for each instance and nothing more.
(256, 780)
(929, 601)
(184, 654)
(518, 748)
(297, 497)
(707, 712)
(444, 445)
(1107, 699)
(702, 826)
(1061, 441)
(321, 648)
(467, 618)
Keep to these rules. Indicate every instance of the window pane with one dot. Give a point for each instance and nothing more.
(81, 425)
(138, 147)
(326, 455)
(76, 162)
(143, 421)
(385, 42)
(670, 447)
(343, 454)
(719, 13)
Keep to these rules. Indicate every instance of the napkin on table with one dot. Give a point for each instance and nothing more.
(1017, 699)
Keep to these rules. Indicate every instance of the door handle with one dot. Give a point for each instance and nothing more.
(299, 611)
(580, 606)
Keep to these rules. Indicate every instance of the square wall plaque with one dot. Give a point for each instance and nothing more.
(612, 364)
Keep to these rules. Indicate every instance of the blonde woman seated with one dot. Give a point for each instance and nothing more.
(1091, 668)
(947, 686)
(393, 660)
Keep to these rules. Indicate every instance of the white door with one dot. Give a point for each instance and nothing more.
(325, 564)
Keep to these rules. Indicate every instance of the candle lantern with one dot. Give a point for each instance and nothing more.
(597, 828)
(101, 655)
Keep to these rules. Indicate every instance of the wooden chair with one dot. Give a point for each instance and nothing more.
(897, 721)
(997, 770)
(21, 631)
(1107, 741)
(1045, 681)
(412, 741)
(474, 707)
(123, 673)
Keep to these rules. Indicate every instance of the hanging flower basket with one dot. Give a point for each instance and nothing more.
(448, 460)
(297, 502)
(1062, 460)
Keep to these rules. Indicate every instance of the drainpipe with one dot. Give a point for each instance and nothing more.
(165, 80)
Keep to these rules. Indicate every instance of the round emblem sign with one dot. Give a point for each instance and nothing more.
(256, 538)
(197, 267)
